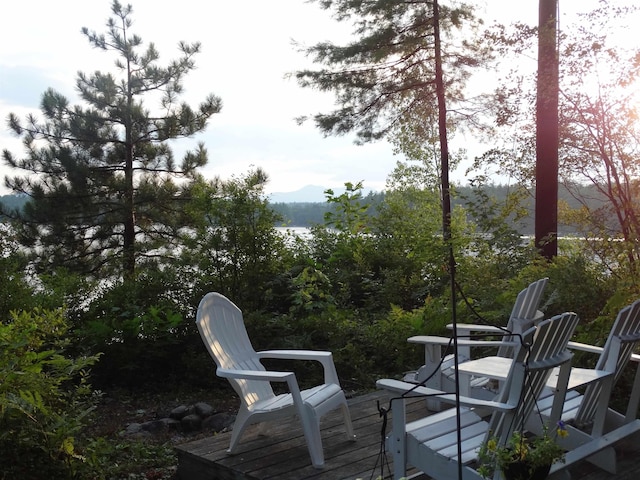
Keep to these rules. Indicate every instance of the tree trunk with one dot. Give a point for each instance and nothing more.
(129, 238)
(546, 210)
(446, 207)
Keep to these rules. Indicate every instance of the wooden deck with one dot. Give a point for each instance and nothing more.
(283, 455)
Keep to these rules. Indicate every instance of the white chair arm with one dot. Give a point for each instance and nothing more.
(295, 354)
(464, 342)
(400, 387)
(255, 375)
(585, 347)
(490, 329)
(267, 376)
(477, 328)
(325, 358)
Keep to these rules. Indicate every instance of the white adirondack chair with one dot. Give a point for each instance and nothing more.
(430, 444)
(587, 414)
(522, 317)
(223, 331)
(439, 374)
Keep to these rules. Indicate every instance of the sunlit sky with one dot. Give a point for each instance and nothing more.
(246, 52)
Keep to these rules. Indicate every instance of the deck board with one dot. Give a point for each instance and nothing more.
(282, 453)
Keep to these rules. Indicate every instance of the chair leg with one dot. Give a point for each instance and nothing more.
(347, 421)
(239, 426)
(563, 474)
(311, 430)
(397, 441)
(605, 459)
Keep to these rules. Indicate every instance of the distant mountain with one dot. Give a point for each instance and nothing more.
(307, 194)
(13, 201)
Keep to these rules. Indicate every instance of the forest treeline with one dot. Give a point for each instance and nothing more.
(308, 214)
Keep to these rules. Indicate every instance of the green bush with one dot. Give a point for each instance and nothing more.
(14, 283)
(44, 398)
(364, 347)
(128, 458)
(140, 330)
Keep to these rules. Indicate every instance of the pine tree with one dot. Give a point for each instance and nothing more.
(384, 80)
(101, 176)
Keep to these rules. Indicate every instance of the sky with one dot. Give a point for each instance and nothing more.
(246, 53)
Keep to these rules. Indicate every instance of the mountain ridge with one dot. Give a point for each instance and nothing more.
(306, 194)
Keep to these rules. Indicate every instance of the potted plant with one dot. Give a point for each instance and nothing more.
(523, 457)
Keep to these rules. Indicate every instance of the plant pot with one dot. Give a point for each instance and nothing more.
(523, 471)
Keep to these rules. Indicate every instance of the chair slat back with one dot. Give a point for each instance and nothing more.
(615, 355)
(552, 337)
(531, 370)
(524, 312)
(224, 334)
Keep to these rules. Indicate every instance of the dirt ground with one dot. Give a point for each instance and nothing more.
(118, 409)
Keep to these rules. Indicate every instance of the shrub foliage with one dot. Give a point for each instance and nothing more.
(45, 397)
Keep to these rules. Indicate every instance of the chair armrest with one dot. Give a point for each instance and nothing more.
(400, 387)
(295, 354)
(325, 358)
(267, 376)
(434, 346)
(465, 342)
(630, 338)
(491, 329)
(477, 328)
(585, 347)
(255, 375)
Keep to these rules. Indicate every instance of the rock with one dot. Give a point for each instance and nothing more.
(191, 423)
(179, 412)
(154, 426)
(132, 429)
(135, 430)
(203, 410)
(170, 423)
(186, 419)
(218, 422)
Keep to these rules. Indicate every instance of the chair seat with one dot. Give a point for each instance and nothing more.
(439, 434)
(572, 402)
(448, 370)
(314, 397)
